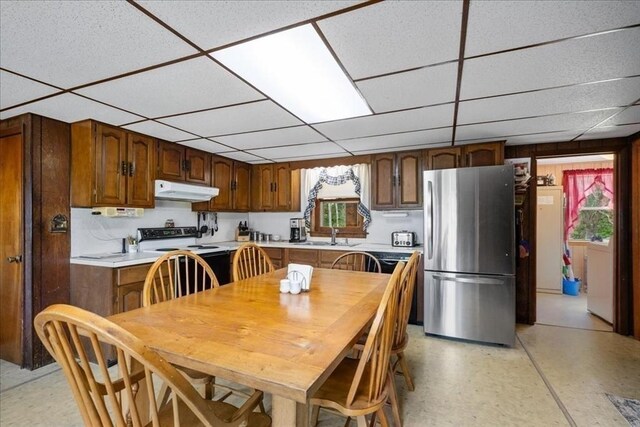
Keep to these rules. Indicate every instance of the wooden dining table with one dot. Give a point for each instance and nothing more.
(250, 333)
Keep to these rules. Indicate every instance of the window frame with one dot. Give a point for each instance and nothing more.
(317, 230)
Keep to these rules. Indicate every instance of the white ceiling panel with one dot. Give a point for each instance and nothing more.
(542, 138)
(243, 157)
(68, 43)
(629, 116)
(270, 138)
(205, 145)
(611, 131)
(305, 150)
(179, 88)
(616, 93)
(427, 86)
(398, 140)
(402, 121)
(312, 157)
(15, 89)
(72, 108)
(211, 24)
(236, 119)
(159, 130)
(561, 122)
(396, 35)
(499, 25)
(403, 148)
(583, 60)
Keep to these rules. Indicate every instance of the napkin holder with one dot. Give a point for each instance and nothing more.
(301, 272)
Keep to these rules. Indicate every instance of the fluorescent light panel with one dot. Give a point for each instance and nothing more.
(295, 69)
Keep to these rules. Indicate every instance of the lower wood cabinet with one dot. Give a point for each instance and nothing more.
(276, 255)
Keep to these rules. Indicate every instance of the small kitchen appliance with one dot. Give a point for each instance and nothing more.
(298, 232)
(404, 239)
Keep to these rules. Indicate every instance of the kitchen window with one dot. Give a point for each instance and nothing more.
(341, 213)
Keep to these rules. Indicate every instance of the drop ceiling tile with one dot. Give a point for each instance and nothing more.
(402, 121)
(67, 43)
(159, 130)
(397, 35)
(270, 138)
(211, 24)
(398, 140)
(402, 148)
(242, 156)
(561, 122)
(427, 86)
(236, 119)
(582, 60)
(614, 93)
(183, 87)
(15, 89)
(611, 131)
(303, 150)
(499, 25)
(72, 108)
(205, 145)
(311, 157)
(542, 138)
(629, 116)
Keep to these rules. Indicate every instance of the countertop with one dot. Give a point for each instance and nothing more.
(115, 260)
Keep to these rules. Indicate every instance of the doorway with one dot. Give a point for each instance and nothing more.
(11, 250)
(575, 241)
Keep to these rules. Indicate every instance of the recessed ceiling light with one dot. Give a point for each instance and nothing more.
(295, 69)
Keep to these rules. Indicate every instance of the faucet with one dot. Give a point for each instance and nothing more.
(334, 231)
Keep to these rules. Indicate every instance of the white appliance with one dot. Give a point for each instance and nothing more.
(188, 192)
(115, 212)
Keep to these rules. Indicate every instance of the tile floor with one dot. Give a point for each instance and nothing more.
(569, 311)
(553, 376)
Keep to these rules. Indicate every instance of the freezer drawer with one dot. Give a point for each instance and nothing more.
(473, 307)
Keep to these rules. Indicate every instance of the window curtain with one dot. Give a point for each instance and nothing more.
(356, 175)
(577, 185)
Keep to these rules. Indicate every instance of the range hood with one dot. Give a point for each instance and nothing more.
(187, 192)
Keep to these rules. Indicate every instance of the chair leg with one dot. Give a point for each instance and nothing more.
(405, 371)
(393, 398)
(362, 421)
(209, 390)
(314, 415)
(383, 417)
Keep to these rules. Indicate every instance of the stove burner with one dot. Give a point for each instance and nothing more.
(166, 249)
(203, 247)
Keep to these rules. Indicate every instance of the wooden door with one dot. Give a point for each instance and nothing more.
(489, 154)
(129, 297)
(282, 187)
(409, 179)
(444, 158)
(111, 166)
(222, 178)
(11, 238)
(242, 187)
(140, 152)
(383, 179)
(171, 161)
(198, 165)
(262, 184)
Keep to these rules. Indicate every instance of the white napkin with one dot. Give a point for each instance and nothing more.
(301, 269)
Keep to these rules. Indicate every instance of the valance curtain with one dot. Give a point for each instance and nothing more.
(358, 175)
(577, 185)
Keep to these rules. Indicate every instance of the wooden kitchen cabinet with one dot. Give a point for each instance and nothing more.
(276, 255)
(275, 188)
(397, 180)
(183, 164)
(443, 158)
(110, 166)
(233, 179)
(486, 154)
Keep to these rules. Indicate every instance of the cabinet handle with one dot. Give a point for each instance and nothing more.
(124, 168)
(468, 159)
(188, 165)
(458, 160)
(132, 168)
(17, 259)
(233, 185)
(184, 165)
(275, 187)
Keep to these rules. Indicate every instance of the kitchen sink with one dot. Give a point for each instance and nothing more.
(312, 243)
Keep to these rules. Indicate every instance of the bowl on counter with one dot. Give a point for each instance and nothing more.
(276, 237)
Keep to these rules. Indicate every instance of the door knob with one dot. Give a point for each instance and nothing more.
(17, 259)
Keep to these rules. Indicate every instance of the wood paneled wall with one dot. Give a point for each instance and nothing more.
(556, 169)
(635, 233)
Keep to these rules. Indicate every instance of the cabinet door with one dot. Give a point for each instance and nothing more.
(242, 187)
(489, 154)
(444, 158)
(171, 161)
(409, 182)
(282, 187)
(129, 296)
(111, 166)
(222, 178)
(383, 180)
(262, 184)
(140, 152)
(198, 167)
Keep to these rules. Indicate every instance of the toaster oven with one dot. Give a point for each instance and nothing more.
(404, 239)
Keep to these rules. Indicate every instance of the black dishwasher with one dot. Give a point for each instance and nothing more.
(219, 261)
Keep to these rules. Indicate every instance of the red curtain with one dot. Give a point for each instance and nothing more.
(577, 184)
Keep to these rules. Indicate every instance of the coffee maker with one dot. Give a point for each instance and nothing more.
(298, 232)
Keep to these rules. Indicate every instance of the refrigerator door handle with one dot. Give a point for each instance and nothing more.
(429, 221)
(475, 279)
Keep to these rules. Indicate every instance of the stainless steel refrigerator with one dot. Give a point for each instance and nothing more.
(469, 254)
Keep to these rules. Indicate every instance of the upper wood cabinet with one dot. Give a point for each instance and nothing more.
(275, 187)
(486, 154)
(233, 179)
(110, 166)
(179, 163)
(397, 180)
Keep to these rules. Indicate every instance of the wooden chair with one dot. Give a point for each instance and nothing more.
(358, 387)
(250, 260)
(126, 394)
(357, 261)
